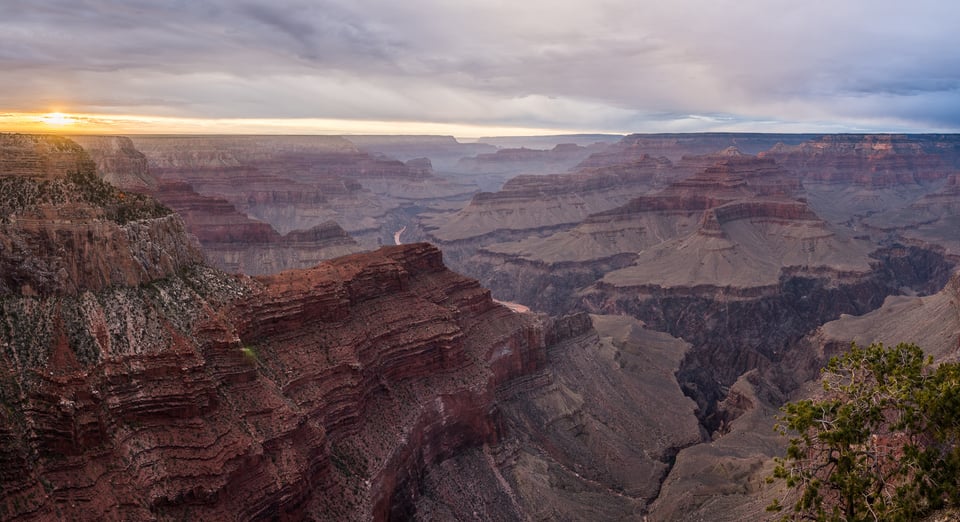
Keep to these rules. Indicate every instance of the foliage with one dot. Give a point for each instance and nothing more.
(119, 207)
(250, 354)
(81, 186)
(881, 444)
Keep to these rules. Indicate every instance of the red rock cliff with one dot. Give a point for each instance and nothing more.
(189, 393)
(306, 394)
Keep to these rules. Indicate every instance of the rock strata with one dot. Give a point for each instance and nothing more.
(319, 394)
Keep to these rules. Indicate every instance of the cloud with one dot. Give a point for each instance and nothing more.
(598, 64)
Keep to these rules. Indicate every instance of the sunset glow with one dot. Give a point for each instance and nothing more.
(472, 68)
(58, 119)
(74, 123)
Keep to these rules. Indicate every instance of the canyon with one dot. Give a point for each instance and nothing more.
(209, 327)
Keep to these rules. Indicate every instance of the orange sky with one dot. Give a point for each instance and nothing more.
(73, 123)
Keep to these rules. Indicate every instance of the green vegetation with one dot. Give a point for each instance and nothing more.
(120, 207)
(348, 461)
(882, 442)
(250, 354)
(81, 186)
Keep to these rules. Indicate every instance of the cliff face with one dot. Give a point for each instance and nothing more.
(39, 157)
(676, 146)
(234, 242)
(66, 232)
(139, 384)
(536, 203)
(119, 162)
(230, 239)
(306, 394)
(867, 160)
(297, 183)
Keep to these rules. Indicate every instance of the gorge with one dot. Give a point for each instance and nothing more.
(210, 327)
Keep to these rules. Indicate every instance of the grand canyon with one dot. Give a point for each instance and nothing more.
(579, 327)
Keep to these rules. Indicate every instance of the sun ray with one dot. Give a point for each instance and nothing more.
(58, 119)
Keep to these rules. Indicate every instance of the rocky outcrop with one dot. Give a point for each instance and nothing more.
(542, 202)
(676, 146)
(873, 160)
(233, 242)
(931, 220)
(66, 231)
(317, 394)
(931, 322)
(40, 157)
(119, 163)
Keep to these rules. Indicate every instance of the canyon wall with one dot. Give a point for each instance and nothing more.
(139, 383)
(378, 385)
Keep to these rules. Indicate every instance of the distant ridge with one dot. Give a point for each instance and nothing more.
(549, 142)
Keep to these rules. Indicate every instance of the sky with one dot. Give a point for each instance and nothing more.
(479, 67)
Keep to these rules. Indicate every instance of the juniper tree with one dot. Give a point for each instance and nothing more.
(880, 444)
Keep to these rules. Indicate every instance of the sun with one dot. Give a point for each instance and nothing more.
(58, 119)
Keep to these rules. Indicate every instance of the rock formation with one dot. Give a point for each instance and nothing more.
(528, 161)
(119, 162)
(39, 158)
(155, 387)
(297, 183)
(847, 177)
(542, 202)
(63, 230)
(139, 383)
(444, 151)
(233, 242)
(676, 146)
(932, 220)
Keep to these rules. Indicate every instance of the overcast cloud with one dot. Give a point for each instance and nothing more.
(611, 65)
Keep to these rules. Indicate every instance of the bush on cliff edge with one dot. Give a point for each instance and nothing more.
(881, 444)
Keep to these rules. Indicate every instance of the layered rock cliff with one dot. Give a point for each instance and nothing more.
(230, 239)
(849, 177)
(332, 393)
(676, 146)
(119, 162)
(64, 231)
(297, 183)
(234, 242)
(543, 202)
(867, 160)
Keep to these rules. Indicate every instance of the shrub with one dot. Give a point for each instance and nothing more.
(882, 442)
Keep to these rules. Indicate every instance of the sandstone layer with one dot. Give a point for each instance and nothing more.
(119, 162)
(303, 395)
(539, 202)
(297, 183)
(346, 391)
(234, 242)
(63, 230)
